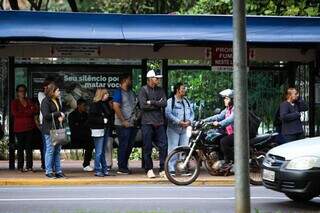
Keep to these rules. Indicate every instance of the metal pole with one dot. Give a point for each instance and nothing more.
(241, 135)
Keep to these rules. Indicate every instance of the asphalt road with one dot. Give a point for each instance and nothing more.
(142, 199)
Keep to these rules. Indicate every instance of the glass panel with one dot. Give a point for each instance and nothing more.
(265, 91)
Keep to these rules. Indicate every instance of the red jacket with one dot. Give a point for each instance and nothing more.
(23, 117)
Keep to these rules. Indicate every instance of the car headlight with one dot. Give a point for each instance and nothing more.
(304, 163)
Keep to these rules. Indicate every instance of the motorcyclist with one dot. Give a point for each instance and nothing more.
(225, 120)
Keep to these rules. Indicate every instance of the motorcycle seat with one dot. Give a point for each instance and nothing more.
(259, 139)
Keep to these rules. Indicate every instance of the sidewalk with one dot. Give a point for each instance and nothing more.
(73, 170)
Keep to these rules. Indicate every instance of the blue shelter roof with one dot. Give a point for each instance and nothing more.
(122, 28)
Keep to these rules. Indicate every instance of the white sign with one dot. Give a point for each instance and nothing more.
(75, 51)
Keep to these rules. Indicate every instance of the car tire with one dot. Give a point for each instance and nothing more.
(300, 197)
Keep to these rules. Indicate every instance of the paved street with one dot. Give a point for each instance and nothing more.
(141, 198)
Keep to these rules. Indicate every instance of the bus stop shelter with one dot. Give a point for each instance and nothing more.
(28, 37)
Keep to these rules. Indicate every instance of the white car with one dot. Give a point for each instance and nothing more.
(294, 169)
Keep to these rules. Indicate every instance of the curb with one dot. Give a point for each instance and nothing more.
(91, 181)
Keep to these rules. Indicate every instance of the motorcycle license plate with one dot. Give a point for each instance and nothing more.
(268, 175)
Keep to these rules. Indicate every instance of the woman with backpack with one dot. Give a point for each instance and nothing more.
(179, 115)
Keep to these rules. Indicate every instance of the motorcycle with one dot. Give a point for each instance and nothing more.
(204, 147)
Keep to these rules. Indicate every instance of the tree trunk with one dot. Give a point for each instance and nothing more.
(73, 5)
(14, 4)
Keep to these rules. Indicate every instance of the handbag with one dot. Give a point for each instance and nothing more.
(58, 136)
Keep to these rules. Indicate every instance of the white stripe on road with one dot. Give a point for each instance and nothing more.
(132, 198)
(123, 187)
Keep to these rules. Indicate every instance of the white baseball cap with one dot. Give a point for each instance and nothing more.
(154, 74)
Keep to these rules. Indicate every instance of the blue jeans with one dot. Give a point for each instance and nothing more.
(100, 164)
(157, 134)
(52, 156)
(175, 139)
(126, 138)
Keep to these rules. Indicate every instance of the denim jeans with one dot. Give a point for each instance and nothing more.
(100, 164)
(158, 135)
(126, 138)
(175, 139)
(52, 156)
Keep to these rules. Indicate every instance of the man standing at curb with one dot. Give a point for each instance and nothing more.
(124, 102)
(152, 100)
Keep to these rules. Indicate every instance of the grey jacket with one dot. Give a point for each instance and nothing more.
(152, 113)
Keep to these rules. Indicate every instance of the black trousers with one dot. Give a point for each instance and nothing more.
(85, 141)
(227, 144)
(25, 143)
(88, 149)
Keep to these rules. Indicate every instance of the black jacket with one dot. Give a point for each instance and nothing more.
(290, 117)
(78, 123)
(152, 113)
(48, 108)
(97, 112)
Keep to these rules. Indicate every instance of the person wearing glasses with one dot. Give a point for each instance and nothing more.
(24, 111)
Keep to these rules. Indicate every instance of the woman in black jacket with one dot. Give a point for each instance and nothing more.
(51, 108)
(290, 113)
(100, 121)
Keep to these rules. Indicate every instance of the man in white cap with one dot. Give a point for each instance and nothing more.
(152, 100)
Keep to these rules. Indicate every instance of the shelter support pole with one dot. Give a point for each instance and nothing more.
(292, 69)
(314, 69)
(165, 74)
(11, 92)
(144, 65)
(240, 82)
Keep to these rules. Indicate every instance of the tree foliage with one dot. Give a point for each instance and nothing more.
(262, 7)
(254, 7)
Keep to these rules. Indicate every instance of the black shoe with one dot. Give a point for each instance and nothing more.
(60, 175)
(31, 170)
(23, 170)
(51, 176)
(123, 172)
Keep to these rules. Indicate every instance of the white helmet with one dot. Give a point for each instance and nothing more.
(227, 93)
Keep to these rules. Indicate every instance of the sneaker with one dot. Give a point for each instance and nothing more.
(162, 174)
(88, 169)
(51, 176)
(23, 170)
(123, 172)
(109, 174)
(99, 174)
(60, 175)
(172, 173)
(150, 174)
(31, 170)
(109, 168)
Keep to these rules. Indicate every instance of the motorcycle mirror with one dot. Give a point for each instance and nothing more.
(217, 111)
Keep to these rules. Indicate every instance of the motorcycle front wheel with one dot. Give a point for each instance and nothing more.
(180, 172)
